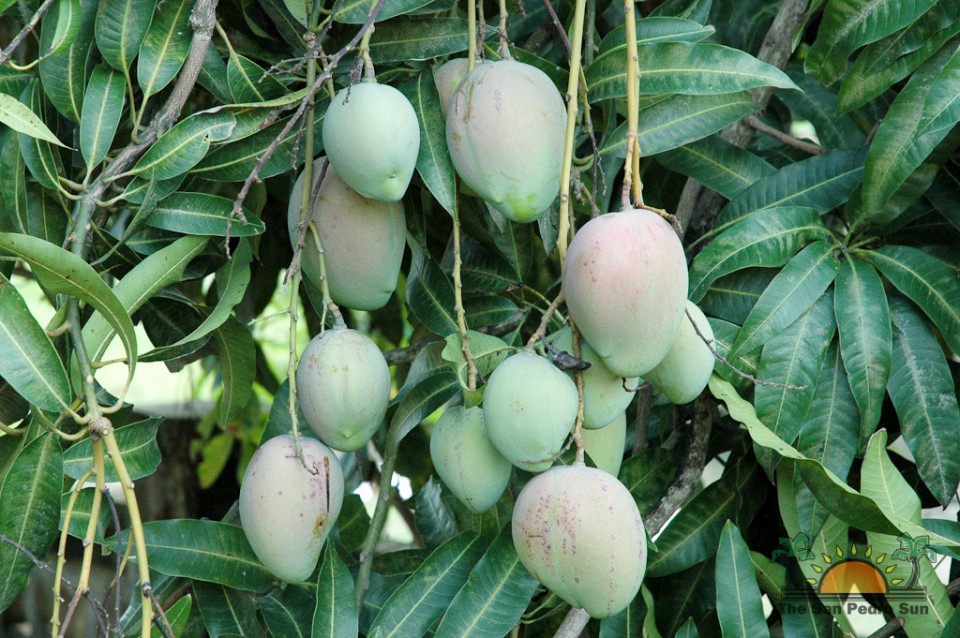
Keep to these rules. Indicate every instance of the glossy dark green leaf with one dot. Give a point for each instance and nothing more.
(226, 612)
(249, 83)
(733, 296)
(39, 155)
(288, 612)
(66, 27)
(724, 334)
(353, 522)
(177, 615)
(64, 74)
(80, 516)
(202, 214)
(120, 28)
(483, 269)
(46, 217)
(494, 597)
(689, 68)
(430, 294)
(922, 390)
(356, 11)
(428, 592)
(628, 622)
(433, 161)
(137, 441)
(102, 108)
(849, 24)
(487, 352)
(30, 364)
(820, 105)
(422, 399)
(237, 352)
(290, 29)
(647, 475)
(165, 45)
(928, 282)
(795, 289)
(213, 76)
(31, 509)
(863, 321)
(717, 164)
(738, 595)
(435, 522)
(418, 38)
(770, 237)
(679, 120)
(182, 147)
(809, 618)
(336, 614)
(13, 185)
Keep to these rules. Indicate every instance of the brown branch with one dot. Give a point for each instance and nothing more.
(759, 125)
(573, 624)
(545, 320)
(8, 52)
(644, 404)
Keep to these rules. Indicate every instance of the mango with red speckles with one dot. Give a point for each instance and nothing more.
(343, 384)
(625, 283)
(466, 460)
(578, 530)
(286, 510)
(684, 372)
(506, 125)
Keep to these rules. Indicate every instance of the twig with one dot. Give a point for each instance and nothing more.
(889, 629)
(18, 39)
(578, 376)
(573, 624)
(545, 321)
(757, 124)
(165, 629)
(472, 372)
(118, 572)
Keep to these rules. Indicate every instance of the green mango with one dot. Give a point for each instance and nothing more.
(343, 385)
(529, 408)
(466, 460)
(625, 283)
(287, 511)
(506, 126)
(372, 137)
(684, 372)
(448, 77)
(606, 446)
(578, 530)
(363, 241)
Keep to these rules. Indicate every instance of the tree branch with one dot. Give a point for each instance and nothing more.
(573, 624)
(757, 124)
(8, 52)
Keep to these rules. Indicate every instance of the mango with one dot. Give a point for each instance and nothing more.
(363, 241)
(578, 530)
(466, 460)
(529, 407)
(606, 446)
(625, 282)
(447, 77)
(287, 511)
(684, 372)
(372, 137)
(604, 396)
(343, 384)
(506, 125)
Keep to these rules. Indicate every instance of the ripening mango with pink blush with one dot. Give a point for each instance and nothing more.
(625, 283)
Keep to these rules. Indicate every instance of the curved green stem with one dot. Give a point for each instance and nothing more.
(631, 164)
(471, 35)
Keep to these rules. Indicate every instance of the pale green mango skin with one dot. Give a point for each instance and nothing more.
(466, 460)
(372, 137)
(578, 530)
(684, 372)
(448, 77)
(284, 509)
(506, 126)
(606, 446)
(625, 283)
(529, 408)
(343, 384)
(363, 241)
(603, 395)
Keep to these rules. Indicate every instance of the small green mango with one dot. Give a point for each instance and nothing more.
(363, 241)
(343, 384)
(625, 282)
(578, 530)
(466, 460)
(372, 137)
(604, 395)
(506, 126)
(529, 408)
(606, 446)
(684, 372)
(287, 511)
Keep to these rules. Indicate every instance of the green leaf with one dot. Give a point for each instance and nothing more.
(39, 156)
(421, 400)
(922, 390)
(627, 623)
(336, 614)
(418, 39)
(768, 238)
(679, 120)
(353, 522)
(238, 354)
(494, 597)
(288, 612)
(120, 29)
(182, 147)
(724, 334)
(178, 614)
(688, 68)
(646, 475)
(165, 45)
(202, 214)
(487, 352)
(928, 282)
(433, 162)
(226, 612)
(67, 26)
(137, 441)
(863, 321)
(435, 521)
(738, 596)
(13, 185)
(717, 164)
(64, 74)
(60, 271)
(102, 107)
(203, 550)
(483, 269)
(849, 24)
(733, 296)
(821, 182)
(31, 508)
(30, 363)
(248, 81)
(819, 105)
(20, 118)
(430, 293)
(795, 289)
(423, 597)
(356, 11)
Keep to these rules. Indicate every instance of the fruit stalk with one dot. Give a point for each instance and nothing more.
(471, 35)
(458, 305)
(573, 87)
(62, 551)
(631, 165)
(504, 50)
(578, 377)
